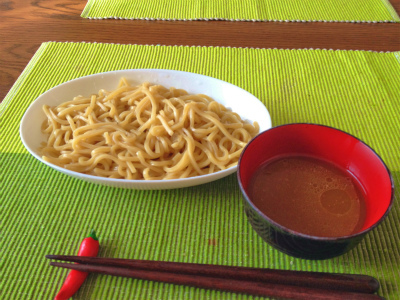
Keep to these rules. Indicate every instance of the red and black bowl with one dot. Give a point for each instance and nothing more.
(329, 144)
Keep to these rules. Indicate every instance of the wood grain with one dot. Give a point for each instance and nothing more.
(25, 24)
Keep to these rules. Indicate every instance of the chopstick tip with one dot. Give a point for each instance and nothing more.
(374, 283)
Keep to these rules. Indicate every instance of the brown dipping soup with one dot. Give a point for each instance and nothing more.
(309, 195)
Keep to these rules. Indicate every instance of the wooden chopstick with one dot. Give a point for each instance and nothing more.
(345, 282)
(275, 283)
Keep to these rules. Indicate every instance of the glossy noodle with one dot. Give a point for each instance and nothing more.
(144, 132)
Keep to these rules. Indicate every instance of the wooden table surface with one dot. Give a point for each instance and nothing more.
(25, 24)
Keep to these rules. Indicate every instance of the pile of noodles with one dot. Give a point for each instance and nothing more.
(144, 132)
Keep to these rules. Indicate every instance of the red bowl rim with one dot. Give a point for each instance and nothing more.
(306, 236)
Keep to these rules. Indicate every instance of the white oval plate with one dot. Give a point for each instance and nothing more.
(231, 96)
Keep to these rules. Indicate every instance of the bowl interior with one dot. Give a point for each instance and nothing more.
(335, 146)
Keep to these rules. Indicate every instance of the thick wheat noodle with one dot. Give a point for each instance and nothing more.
(144, 132)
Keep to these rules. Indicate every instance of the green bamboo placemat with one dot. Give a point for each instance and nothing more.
(45, 212)
(244, 10)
